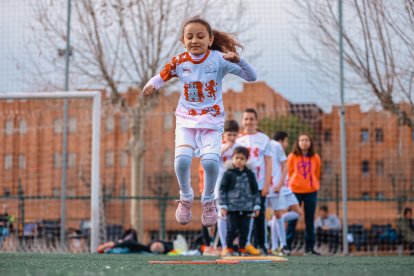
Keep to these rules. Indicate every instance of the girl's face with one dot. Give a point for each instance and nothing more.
(249, 122)
(304, 142)
(239, 160)
(196, 38)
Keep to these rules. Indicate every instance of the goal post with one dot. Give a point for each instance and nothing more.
(95, 151)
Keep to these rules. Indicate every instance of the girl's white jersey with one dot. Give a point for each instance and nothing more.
(259, 147)
(201, 101)
(278, 157)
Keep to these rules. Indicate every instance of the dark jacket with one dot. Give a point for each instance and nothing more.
(239, 191)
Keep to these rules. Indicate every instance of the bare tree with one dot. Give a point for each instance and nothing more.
(378, 40)
(118, 44)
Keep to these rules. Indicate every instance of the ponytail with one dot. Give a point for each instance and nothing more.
(223, 41)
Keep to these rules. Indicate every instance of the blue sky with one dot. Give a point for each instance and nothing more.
(271, 35)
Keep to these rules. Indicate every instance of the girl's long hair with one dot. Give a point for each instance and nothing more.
(296, 149)
(223, 41)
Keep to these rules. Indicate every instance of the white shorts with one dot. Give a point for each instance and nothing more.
(202, 140)
(291, 199)
(277, 202)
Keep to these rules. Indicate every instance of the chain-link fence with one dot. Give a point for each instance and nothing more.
(138, 185)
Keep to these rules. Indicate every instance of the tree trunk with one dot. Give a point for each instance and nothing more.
(137, 169)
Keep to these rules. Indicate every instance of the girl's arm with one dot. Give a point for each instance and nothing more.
(239, 67)
(158, 80)
(247, 71)
(153, 85)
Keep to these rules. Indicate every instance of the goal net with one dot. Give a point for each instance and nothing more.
(49, 192)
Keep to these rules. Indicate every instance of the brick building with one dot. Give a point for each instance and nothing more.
(31, 138)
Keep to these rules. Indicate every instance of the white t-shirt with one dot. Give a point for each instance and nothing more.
(278, 156)
(259, 147)
(201, 102)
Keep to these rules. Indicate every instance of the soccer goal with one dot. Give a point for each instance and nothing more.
(50, 197)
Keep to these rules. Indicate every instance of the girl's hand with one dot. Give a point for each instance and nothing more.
(232, 57)
(148, 90)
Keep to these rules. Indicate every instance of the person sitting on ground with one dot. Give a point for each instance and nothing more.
(128, 243)
(328, 227)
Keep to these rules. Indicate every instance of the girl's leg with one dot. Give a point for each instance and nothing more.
(209, 142)
(182, 165)
(211, 166)
(310, 201)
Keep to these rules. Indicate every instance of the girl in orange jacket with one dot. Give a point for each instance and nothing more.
(304, 171)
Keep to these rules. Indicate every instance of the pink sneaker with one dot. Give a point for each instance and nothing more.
(209, 216)
(183, 212)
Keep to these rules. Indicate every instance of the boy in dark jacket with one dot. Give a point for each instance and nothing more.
(239, 197)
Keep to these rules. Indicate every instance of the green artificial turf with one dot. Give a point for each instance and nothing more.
(135, 264)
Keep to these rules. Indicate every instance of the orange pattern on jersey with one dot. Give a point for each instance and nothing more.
(255, 152)
(193, 91)
(192, 112)
(210, 89)
(170, 68)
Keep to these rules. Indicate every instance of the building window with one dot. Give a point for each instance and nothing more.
(109, 158)
(124, 159)
(379, 135)
(365, 168)
(73, 123)
(365, 195)
(168, 121)
(8, 161)
(72, 160)
(380, 195)
(22, 126)
(328, 135)
(58, 126)
(327, 167)
(124, 123)
(22, 161)
(57, 160)
(379, 167)
(110, 124)
(8, 129)
(364, 135)
(6, 191)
